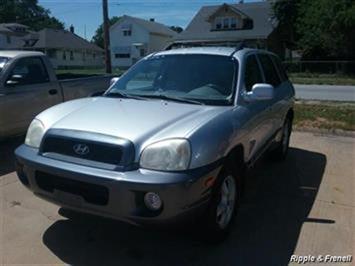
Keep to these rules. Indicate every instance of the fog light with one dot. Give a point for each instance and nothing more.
(152, 201)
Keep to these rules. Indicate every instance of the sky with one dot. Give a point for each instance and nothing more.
(86, 15)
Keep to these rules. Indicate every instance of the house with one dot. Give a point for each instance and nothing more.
(11, 35)
(133, 38)
(65, 49)
(226, 24)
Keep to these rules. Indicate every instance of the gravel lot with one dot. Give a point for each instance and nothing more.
(304, 206)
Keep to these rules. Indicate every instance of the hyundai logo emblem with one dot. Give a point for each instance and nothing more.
(81, 149)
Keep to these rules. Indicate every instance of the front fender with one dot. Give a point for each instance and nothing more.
(213, 140)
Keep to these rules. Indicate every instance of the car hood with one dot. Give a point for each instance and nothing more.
(140, 121)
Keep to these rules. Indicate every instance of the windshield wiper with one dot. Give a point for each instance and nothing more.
(118, 94)
(170, 98)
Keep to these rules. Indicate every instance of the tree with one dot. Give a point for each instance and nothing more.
(98, 38)
(176, 28)
(327, 29)
(28, 12)
(321, 29)
(286, 13)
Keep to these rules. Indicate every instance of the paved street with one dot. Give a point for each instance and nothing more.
(302, 206)
(325, 92)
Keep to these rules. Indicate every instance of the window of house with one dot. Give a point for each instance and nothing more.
(84, 56)
(127, 33)
(233, 23)
(225, 23)
(8, 39)
(270, 72)
(252, 73)
(122, 55)
(93, 55)
(71, 55)
(31, 70)
(64, 57)
(218, 23)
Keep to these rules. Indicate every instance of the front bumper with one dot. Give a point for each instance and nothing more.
(118, 195)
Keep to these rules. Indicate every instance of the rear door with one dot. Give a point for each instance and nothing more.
(27, 91)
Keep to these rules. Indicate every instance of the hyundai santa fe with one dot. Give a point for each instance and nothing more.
(169, 141)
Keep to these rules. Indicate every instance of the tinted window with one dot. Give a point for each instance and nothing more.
(270, 73)
(29, 71)
(280, 68)
(252, 73)
(3, 61)
(206, 78)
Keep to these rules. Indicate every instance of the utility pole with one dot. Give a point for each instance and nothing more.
(106, 37)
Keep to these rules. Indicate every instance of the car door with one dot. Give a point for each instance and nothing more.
(27, 92)
(259, 125)
(282, 95)
(272, 77)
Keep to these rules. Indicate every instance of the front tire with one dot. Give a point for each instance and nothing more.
(223, 207)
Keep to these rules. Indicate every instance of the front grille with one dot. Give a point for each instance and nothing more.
(91, 193)
(97, 151)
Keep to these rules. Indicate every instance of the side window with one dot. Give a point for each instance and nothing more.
(280, 68)
(270, 72)
(252, 73)
(28, 71)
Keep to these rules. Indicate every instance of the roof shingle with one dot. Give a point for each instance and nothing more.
(62, 39)
(151, 26)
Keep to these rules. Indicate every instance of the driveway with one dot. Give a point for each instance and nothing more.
(325, 92)
(303, 206)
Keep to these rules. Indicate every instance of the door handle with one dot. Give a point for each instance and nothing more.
(53, 91)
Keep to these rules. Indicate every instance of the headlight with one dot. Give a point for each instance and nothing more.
(167, 155)
(35, 134)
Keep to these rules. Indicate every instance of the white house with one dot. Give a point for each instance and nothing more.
(65, 48)
(11, 35)
(133, 38)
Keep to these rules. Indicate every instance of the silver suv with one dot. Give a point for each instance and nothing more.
(169, 140)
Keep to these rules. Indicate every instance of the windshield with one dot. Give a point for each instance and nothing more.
(208, 79)
(3, 61)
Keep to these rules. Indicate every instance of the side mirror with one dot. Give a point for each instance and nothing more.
(260, 92)
(14, 80)
(113, 80)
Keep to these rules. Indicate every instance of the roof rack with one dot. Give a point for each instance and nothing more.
(238, 45)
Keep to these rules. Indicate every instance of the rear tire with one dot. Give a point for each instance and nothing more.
(280, 152)
(219, 217)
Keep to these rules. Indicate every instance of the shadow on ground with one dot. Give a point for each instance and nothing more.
(279, 197)
(7, 158)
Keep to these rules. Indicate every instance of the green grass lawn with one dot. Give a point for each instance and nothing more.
(328, 79)
(325, 116)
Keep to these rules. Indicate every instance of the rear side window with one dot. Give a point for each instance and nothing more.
(270, 72)
(280, 68)
(252, 73)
